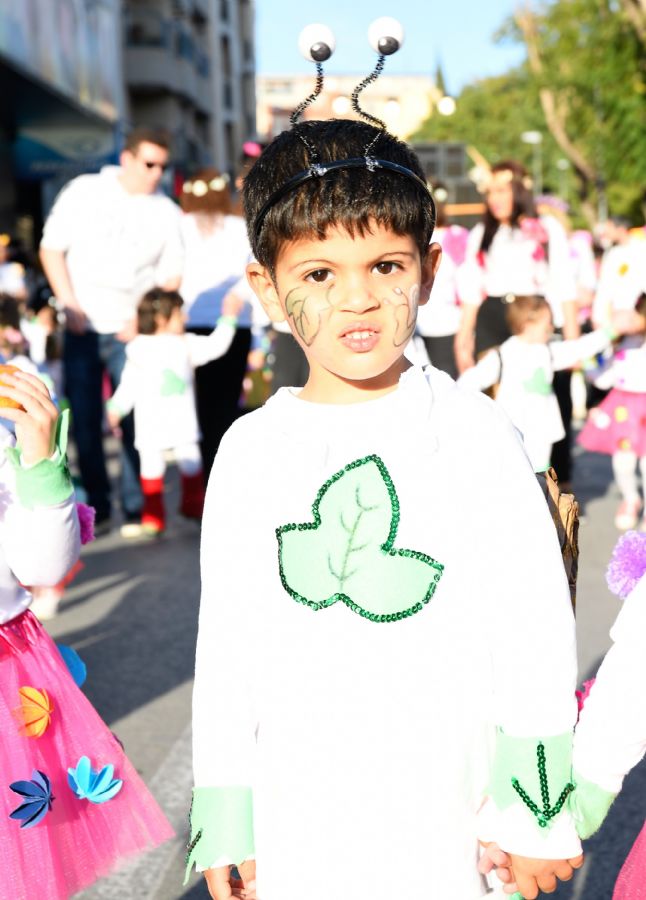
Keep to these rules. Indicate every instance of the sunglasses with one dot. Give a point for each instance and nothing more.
(155, 165)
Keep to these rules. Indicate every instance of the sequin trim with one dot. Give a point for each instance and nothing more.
(386, 547)
(547, 813)
(193, 843)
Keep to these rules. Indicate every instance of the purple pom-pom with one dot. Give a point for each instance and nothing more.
(627, 564)
(86, 516)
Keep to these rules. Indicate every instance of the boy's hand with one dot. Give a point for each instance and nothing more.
(36, 423)
(535, 875)
(223, 887)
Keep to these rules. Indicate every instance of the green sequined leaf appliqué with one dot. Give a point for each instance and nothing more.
(347, 552)
(172, 384)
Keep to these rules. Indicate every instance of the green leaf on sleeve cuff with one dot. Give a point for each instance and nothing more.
(534, 771)
(47, 483)
(589, 806)
(221, 822)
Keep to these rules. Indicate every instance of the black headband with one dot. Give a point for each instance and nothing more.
(318, 170)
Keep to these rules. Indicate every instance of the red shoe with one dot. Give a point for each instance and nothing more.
(192, 503)
(153, 517)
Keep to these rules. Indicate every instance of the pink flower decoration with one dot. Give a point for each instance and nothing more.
(539, 253)
(627, 564)
(86, 516)
(480, 257)
(454, 243)
(534, 229)
(584, 693)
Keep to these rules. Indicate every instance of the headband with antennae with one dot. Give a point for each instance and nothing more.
(317, 43)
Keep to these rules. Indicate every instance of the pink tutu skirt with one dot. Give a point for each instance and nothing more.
(631, 883)
(77, 841)
(618, 423)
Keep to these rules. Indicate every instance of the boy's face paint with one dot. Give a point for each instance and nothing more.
(351, 303)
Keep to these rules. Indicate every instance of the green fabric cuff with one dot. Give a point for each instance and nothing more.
(589, 806)
(533, 771)
(48, 483)
(221, 824)
(228, 320)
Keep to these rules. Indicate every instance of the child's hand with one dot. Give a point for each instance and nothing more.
(232, 305)
(535, 875)
(36, 423)
(113, 418)
(627, 322)
(495, 858)
(223, 887)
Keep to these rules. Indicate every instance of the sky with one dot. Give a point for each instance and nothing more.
(455, 33)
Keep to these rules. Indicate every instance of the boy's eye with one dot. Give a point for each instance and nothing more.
(318, 276)
(387, 267)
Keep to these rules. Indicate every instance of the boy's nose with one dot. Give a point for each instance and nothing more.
(358, 296)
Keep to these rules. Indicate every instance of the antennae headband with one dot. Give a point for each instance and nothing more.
(319, 170)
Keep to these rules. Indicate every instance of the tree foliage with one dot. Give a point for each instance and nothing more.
(583, 86)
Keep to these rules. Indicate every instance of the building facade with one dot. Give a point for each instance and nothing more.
(75, 75)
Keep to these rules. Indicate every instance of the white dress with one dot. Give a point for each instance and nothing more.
(525, 372)
(367, 743)
(158, 383)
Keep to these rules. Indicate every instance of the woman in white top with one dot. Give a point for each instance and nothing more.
(217, 252)
(513, 252)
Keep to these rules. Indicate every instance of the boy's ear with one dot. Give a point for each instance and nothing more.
(430, 265)
(265, 290)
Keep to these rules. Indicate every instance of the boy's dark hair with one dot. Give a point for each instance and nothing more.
(347, 198)
(156, 302)
(523, 200)
(146, 135)
(640, 306)
(524, 310)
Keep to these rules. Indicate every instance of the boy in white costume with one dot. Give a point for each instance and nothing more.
(374, 666)
(523, 368)
(158, 383)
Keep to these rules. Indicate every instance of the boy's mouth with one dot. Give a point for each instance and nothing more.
(360, 337)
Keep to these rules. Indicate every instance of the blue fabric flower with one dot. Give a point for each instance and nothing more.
(90, 784)
(37, 801)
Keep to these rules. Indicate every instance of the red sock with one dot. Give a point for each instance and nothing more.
(153, 515)
(192, 496)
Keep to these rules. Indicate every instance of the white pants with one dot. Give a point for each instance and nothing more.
(153, 460)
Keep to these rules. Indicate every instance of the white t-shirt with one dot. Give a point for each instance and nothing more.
(621, 280)
(441, 315)
(366, 744)
(117, 245)
(516, 264)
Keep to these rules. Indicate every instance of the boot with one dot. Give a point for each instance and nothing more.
(153, 518)
(192, 502)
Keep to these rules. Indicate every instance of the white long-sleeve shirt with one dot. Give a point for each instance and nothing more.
(37, 546)
(611, 735)
(368, 744)
(514, 264)
(158, 382)
(525, 372)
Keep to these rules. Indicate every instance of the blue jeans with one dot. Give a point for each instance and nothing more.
(86, 357)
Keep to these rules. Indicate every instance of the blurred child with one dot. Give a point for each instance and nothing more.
(618, 425)
(523, 369)
(72, 806)
(158, 383)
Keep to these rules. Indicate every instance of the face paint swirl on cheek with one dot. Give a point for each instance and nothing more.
(404, 307)
(306, 309)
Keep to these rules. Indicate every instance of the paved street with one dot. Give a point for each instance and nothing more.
(132, 615)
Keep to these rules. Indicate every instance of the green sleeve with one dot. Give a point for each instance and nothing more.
(533, 771)
(589, 806)
(47, 483)
(221, 825)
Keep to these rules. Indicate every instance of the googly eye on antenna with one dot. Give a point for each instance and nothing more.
(386, 35)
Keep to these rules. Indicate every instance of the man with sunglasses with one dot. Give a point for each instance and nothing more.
(109, 238)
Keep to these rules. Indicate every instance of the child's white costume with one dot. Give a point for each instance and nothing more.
(364, 641)
(158, 382)
(524, 372)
